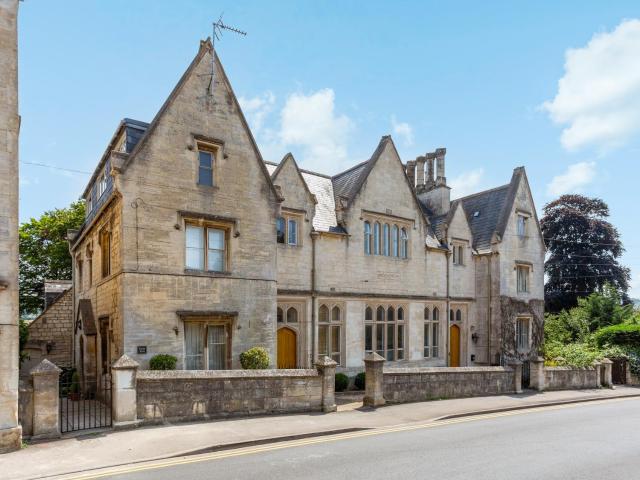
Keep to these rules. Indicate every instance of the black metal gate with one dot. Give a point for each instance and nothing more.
(619, 371)
(84, 403)
(526, 374)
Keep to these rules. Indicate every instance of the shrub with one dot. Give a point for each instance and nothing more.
(360, 381)
(75, 383)
(572, 354)
(256, 358)
(342, 382)
(163, 361)
(622, 335)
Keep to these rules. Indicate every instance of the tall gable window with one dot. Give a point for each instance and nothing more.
(522, 272)
(206, 159)
(105, 252)
(287, 229)
(458, 254)
(367, 238)
(206, 247)
(522, 226)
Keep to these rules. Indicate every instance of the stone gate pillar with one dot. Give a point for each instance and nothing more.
(10, 431)
(46, 400)
(537, 380)
(606, 374)
(517, 375)
(327, 369)
(374, 380)
(125, 407)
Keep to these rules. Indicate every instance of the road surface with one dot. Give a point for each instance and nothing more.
(599, 440)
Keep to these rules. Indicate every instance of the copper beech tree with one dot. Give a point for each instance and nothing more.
(583, 251)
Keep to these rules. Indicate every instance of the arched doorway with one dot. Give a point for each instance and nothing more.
(287, 348)
(454, 346)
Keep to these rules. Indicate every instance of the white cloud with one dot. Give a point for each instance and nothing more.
(467, 183)
(577, 176)
(257, 109)
(402, 130)
(310, 122)
(598, 98)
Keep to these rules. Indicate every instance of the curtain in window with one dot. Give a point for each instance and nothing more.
(194, 346)
(293, 232)
(215, 255)
(217, 345)
(195, 247)
(367, 238)
(404, 243)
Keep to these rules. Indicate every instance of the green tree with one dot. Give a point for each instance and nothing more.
(583, 248)
(44, 253)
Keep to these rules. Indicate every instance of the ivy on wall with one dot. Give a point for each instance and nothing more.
(510, 309)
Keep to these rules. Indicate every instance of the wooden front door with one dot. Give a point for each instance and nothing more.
(454, 346)
(287, 348)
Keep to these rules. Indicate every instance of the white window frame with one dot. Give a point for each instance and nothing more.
(289, 239)
(204, 230)
(399, 350)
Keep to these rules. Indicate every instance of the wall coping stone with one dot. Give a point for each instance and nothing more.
(605, 360)
(325, 361)
(125, 362)
(373, 357)
(445, 370)
(570, 368)
(224, 374)
(45, 367)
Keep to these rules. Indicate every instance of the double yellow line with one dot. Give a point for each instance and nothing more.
(151, 465)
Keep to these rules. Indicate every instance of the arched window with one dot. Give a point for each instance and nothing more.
(432, 333)
(386, 335)
(280, 315)
(459, 315)
(330, 335)
(451, 316)
(323, 314)
(385, 239)
(292, 315)
(376, 239)
(367, 238)
(394, 241)
(404, 243)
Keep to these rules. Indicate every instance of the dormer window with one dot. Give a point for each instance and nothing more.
(102, 184)
(458, 254)
(89, 204)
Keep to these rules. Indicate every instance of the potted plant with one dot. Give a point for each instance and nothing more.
(74, 390)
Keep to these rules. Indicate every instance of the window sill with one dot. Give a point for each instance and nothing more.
(206, 273)
(207, 187)
(292, 245)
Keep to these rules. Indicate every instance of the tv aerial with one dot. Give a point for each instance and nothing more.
(218, 28)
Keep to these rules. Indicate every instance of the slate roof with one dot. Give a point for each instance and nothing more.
(484, 212)
(134, 130)
(86, 313)
(346, 184)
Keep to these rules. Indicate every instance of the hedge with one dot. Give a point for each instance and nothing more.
(163, 361)
(622, 335)
(342, 382)
(256, 358)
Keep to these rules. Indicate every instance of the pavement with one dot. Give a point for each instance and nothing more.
(582, 441)
(85, 452)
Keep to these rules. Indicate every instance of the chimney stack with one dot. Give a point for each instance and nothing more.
(411, 173)
(429, 181)
(440, 153)
(420, 171)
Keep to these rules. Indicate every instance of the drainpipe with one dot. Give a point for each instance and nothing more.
(489, 295)
(314, 237)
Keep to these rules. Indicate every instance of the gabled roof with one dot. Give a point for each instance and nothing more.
(289, 158)
(488, 212)
(205, 47)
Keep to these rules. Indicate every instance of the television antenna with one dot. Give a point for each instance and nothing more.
(218, 28)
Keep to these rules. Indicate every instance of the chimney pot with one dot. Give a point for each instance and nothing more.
(411, 173)
(420, 171)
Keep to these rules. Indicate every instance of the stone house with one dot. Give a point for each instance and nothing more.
(50, 334)
(195, 246)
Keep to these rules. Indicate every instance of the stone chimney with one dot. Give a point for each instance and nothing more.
(441, 179)
(411, 173)
(436, 194)
(430, 181)
(420, 171)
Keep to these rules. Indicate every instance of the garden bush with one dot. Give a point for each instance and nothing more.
(360, 381)
(163, 361)
(342, 382)
(621, 335)
(256, 358)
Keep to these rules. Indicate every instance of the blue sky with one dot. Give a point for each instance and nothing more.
(553, 86)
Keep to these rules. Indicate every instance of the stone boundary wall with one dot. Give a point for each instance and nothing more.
(571, 378)
(182, 395)
(401, 385)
